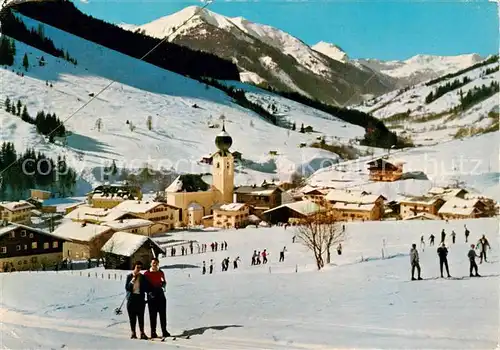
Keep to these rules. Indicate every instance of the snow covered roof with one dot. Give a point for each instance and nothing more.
(390, 160)
(422, 200)
(350, 196)
(126, 244)
(459, 206)
(127, 224)
(189, 183)
(12, 226)
(309, 189)
(136, 206)
(257, 190)
(232, 207)
(78, 231)
(15, 206)
(423, 216)
(447, 193)
(301, 207)
(354, 206)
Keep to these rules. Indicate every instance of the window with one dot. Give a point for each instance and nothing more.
(34, 245)
(46, 245)
(25, 247)
(3, 250)
(31, 235)
(18, 247)
(12, 234)
(55, 244)
(23, 233)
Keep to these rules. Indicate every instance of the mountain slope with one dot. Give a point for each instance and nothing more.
(332, 51)
(182, 111)
(281, 60)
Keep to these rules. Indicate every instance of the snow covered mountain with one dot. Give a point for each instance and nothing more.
(331, 50)
(267, 55)
(420, 68)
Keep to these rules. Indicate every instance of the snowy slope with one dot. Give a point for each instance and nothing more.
(360, 301)
(180, 136)
(472, 161)
(420, 68)
(331, 50)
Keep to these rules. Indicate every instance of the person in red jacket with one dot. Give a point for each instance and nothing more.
(157, 302)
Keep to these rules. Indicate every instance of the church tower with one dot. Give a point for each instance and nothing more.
(223, 167)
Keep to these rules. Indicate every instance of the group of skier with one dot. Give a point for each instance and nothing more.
(215, 246)
(147, 288)
(442, 252)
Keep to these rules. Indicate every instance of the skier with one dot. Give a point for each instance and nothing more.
(264, 257)
(443, 236)
(254, 258)
(257, 259)
(422, 243)
(223, 265)
(204, 269)
(414, 261)
(211, 266)
(282, 254)
(484, 243)
(191, 247)
(453, 234)
(467, 232)
(136, 286)
(157, 302)
(339, 249)
(431, 239)
(472, 261)
(235, 262)
(443, 259)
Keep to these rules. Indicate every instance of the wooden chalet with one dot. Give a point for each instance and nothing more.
(385, 169)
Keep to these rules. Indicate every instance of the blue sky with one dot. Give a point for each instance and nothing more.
(389, 29)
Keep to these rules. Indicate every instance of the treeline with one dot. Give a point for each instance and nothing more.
(491, 70)
(478, 94)
(7, 51)
(64, 15)
(486, 62)
(443, 89)
(376, 133)
(15, 28)
(21, 172)
(46, 124)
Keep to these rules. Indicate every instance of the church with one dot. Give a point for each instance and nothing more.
(197, 198)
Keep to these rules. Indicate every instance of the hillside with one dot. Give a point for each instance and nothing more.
(268, 56)
(459, 104)
(368, 301)
(182, 111)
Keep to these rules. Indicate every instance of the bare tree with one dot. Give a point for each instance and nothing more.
(319, 232)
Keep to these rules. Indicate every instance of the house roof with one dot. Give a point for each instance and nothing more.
(136, 206)
(189, 183)
(265, 190)
(11, 226)
(425, 216)
(76, 231)
(459, 206)
(350, 196)
(126, 244)
(354, 206)
(422, 200)
(127, 224)
(232, 206)
(301, 207)
(388, 160)
(14, 206)
(447, 193)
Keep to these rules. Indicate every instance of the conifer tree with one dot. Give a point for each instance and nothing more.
(25, 115)
(19, 107)
(26, 63)
(7, 104)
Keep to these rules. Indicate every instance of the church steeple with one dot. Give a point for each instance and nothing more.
(223, 167)
(223, 141)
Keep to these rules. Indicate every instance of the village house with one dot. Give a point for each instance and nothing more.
(123, 249)
(137, 226)
(352, 205)
(109, 196)
(458, 208)
(260, 198)
(447, 193)
(423, 216)
(412, 206)
(40, 194)
(26, 248)
(18, 212)
(313, 194)
(83, 240)
(232, 215)
(385, 169)
(158, 212)
(196, 195)
(292, 213)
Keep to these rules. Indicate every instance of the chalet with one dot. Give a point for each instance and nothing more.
(18, 212)
(158, 212)
(109, 196)
(423, 216)
(447, 192)
(232, 215)
(385, 169)
(313, 194)
(26, 248)
(137, 226)
(84, 240)
(123, 249)
(291, 212)
(261, 198)
(458, 208)
(351, 205)
(412, 206)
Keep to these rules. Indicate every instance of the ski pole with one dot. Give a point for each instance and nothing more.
(118, 310)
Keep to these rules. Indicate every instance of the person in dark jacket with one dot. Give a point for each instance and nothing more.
(443, 236)
(157, 302)
(431, 239)
(443, 258)
(136, 286)
(483, 243)
(414, 261)
(472, 261)
(467, 232)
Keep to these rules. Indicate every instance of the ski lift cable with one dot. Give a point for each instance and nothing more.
(209, 2)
